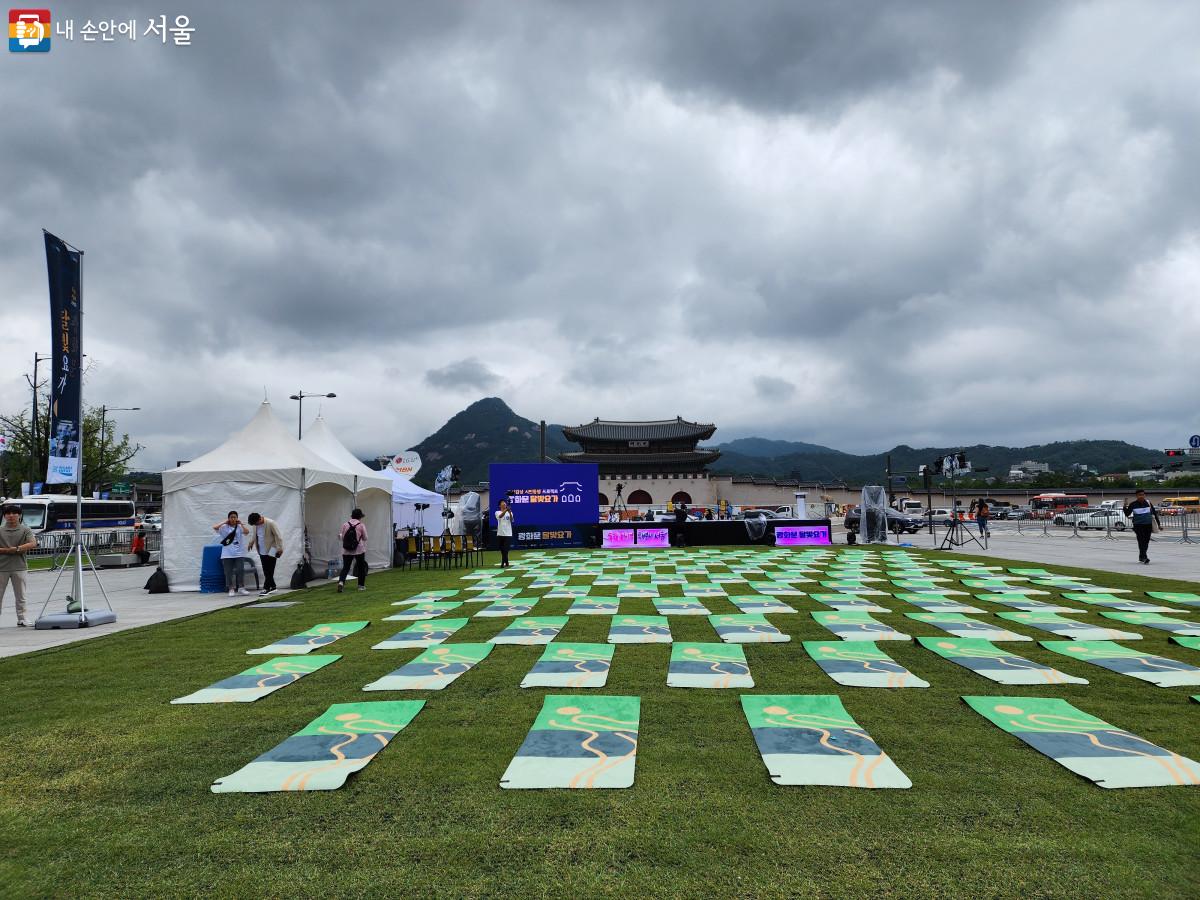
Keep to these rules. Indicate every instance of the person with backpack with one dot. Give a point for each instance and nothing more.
(353, 535)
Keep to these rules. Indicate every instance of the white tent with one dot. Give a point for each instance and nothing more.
(261, 468)
(372, 492)
(406, 496)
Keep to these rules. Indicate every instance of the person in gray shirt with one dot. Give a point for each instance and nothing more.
(16, 539)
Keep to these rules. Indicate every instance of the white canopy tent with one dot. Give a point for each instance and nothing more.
(406, 496)
(261, 468)
(371, 492)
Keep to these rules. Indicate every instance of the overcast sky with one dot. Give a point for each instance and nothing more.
(854, 224)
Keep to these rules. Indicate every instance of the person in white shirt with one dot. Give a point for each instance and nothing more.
(233, 547)
(504, 523)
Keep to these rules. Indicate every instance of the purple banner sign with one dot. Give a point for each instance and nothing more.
(653, 537)
(801, 535)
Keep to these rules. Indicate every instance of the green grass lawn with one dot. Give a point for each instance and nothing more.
(104, 786)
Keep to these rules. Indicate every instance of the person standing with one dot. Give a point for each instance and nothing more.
(353, 535)
(233, 548)
(268, 542)
(16, 539)
(1143, 515)
(982, 514)
(504, 524)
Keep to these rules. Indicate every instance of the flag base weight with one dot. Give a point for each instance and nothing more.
(75, 620)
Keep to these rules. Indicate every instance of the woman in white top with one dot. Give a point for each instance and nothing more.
(233, 548)
(504, 523)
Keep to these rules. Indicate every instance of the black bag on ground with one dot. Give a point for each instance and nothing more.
(297, 581)
(350, 538)
(157, 583)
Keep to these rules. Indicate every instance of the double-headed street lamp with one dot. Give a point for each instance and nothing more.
(104, 411)
(300, 395)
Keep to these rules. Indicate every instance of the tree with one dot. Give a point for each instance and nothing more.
(25, 459)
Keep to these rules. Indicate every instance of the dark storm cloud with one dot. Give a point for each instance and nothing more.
(466, 373)
(650, 207)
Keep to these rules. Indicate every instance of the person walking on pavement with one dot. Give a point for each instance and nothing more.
(268, 542)
(16, 539)
(504, 524)
(233, 549)
(1144, 516)
(982, 513)
(353, 535)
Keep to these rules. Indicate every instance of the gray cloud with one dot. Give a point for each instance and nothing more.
(645, 208)
(462, 375)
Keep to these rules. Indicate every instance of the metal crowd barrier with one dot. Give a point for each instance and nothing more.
(108, 540)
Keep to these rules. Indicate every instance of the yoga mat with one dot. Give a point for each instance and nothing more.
(492, 584)
(751, 603)
(747, 629)
(938, 604)
(531, 630)
(1024, 604)
(272, 604)
(428, 596)
(922, 586)
(774, 589)
(627, 591)
(571, 666)
(703, 590)
(855, 575)
(1185, 599)
(680, 606)
(811, 739)
(258, 681)
(1156, 620)
(509, 607)
(1158, 670)
(1069, 628)
(307, 641)
(708, 666)
(1079, 586)
(639, 630)
(424, 610)
(1102, 753)
(326, 751)
(858, 626)
(422, 634)
(594, 606)
(737, 580)
(567, 593)
(494, 596)
(483, 575)
(1001, 587)
(578, 742)
(1110, 602)
(861, 664)
(964, 626)
(1190, 642)
(849, 601)
(434, 669)
(986, 659)
(853, 587)
(668, 579)
(1035, 573)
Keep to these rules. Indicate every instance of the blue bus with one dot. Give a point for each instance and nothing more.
(56, 512)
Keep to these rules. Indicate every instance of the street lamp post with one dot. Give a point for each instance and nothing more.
(300, 395)
(104, 411)
(34, 455)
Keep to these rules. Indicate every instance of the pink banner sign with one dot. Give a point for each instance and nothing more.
(653, 537)
(800, 535)
(617, 538)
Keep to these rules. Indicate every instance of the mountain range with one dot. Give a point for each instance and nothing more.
(489, 431)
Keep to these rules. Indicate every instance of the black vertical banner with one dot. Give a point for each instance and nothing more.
(66, 355)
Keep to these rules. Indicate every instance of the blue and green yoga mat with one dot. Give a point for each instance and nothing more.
(986, 659)
(747, 628)
(566, 665)
(861, 664)
(1069, 628)
(256, 682)
(854, 587)
(568, 592)
(509, 606)
(707, 589)
(1027, 604)
(578, 741)
(594, 606)
(680, 606)
(327, 751)
(428, 595)
(752, 603)
(937, 603)
(811, 739)
(849, 601)
(1181, 597)
(708, 666)
(1190, 642)
(858, 626)
(1102, 753)
(434, 669)
(1158, 670)
(1109, 601)
(774, 589)
(531, 630)
(1156, 620)
(422, 634)
(425, 609)
(639, 630)
(307, 641)
(964, 626)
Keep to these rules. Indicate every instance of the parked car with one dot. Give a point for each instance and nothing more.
(759, 514)
(1070, 516)
(939, 516)
(152, 522)
(897, 522)
(1102, 518)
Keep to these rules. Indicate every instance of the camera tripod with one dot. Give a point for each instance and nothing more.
(957, 534)
(618, 504)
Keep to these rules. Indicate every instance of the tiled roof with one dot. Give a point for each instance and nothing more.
(687, 457)
(666, 429)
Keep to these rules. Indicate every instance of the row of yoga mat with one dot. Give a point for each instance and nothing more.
(712, 665)
(580, 741)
